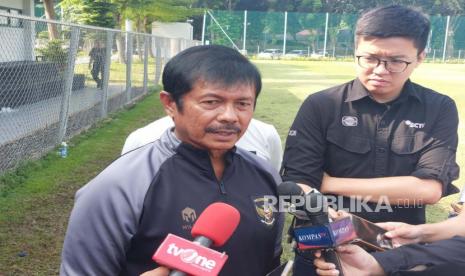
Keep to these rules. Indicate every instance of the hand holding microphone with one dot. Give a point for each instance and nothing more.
(312, 209)
(214, 227)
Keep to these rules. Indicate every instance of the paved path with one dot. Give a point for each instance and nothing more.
(24, 120)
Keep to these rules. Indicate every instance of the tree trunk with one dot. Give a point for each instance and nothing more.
(119, 40)
(50, 14)
(149, 31)
(138, 42)
(120, 48)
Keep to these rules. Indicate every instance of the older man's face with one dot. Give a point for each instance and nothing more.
(214, 117)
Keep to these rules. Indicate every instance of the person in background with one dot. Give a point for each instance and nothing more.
(97, 62)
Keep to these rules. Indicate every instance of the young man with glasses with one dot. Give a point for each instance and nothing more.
(379, 137)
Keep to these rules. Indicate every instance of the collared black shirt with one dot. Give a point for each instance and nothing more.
(344, 132)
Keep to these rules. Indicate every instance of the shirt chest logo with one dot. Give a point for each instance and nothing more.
(292, 132)
(349, 121)
(188, 214)
(264, 211)
(414, 125)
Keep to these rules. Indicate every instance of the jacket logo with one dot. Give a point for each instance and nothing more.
(264, 211)
(414, 125)
(188, 214)
(349, 121)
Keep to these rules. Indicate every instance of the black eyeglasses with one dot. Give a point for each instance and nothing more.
(393, 66)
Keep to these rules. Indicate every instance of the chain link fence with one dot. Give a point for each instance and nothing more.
(52, 89)
(317, 35)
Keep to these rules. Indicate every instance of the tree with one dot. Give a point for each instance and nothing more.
(217, 4)
(50, 14)
(89, 12)
(145, 12)
(98, 13)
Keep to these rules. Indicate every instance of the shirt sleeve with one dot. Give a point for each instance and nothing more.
(406, 257)
(276, 150)
(438, 160)
(131, 143)
(305, 146)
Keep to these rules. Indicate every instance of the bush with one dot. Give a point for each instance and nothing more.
(54, 52)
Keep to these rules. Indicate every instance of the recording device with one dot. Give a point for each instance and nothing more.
(315, 232)
(213, 227)
(369, 235)
(457, 206)
(320, 216)
(315, 214)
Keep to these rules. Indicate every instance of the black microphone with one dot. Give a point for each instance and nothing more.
(290, 188)
(289, 192)
(316, 211)
(318, 215)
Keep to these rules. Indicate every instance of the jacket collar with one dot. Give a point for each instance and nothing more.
(196, 156)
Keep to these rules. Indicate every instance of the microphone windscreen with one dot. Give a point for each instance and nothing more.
(315, 200)
(217, 222)
(289, 188)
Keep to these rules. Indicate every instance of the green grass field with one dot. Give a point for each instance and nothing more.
(35, 200)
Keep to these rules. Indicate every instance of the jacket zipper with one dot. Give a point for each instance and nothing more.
(222, 189)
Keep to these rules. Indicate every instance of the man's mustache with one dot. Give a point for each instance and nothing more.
(227, 128)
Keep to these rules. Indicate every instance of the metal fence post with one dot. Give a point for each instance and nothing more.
(203, 27)
(445, 39)
(106, 73)
(128, 66)
(245, 33)
(285, 32)
(158, 60)
(29, 39)
(68, 83)
(326, 34)
(146, 63)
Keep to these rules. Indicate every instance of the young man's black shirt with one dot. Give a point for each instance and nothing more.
(344, 132)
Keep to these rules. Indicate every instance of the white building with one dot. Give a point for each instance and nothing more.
(16, 37)
(173, 30)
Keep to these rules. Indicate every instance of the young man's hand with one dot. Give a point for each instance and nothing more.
(354, 261)
(402, 233)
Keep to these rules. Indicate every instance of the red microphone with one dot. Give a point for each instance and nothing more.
(214, 226)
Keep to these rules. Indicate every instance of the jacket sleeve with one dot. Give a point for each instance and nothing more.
(406, 257)
(104, 219)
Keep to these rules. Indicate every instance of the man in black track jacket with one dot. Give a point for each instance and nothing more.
(120, 218)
